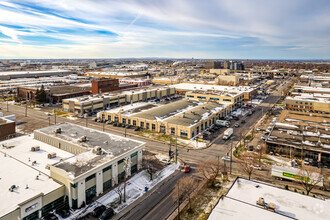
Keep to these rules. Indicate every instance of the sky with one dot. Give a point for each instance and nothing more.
(206, 29)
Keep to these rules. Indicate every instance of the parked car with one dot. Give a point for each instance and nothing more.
(187, 168)
(107, 214)
(98, 211)
(50, 216)
(251, 148)
(109, 122)
(137, 129)
(236, 125)
(226, 158)
(64, 213)
(306, 161)
(243, 121)
(115, 124)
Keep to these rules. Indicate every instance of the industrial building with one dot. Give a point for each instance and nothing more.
(304, 102)
(103, 101)
(301, 135)
(63, 163)
(184, 118)
(248, 199)
(118, 74)
(28, 74)
(249, 92)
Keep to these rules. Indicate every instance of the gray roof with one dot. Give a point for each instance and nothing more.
(165, 111)
(194, 115)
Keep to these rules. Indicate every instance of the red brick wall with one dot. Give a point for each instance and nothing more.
(104, 85)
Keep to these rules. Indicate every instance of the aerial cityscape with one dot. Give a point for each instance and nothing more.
(164, 110)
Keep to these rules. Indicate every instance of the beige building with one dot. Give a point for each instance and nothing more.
(64, 164)
(227, 80)
(308, 103)
(221, 71)
(184, 118)
(91, 103)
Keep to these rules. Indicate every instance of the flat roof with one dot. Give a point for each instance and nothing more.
(112, 145)
(309, 97)
(191, 86)
(291, 125)
(33, 72)
(194, 115)
(162, 113)
(290, 204)
(132, 108)
(14, 172)
(20, 149)
(4, 120)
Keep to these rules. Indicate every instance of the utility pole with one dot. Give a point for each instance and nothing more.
(103, 126)
(231, 156)
(176, 149)
(55, 115)
(26, 109)
(125, 130)
(169, 152)
(49, 121)
(7, 106)
(86, 121)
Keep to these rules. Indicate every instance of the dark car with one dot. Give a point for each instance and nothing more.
(50, 216)
(64, 213)
(107, 214)
(250, 148)
(137, 129)
(115, 124)
(98, 211)
(243, 121)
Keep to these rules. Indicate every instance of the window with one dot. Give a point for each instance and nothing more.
(107, 168)
(74, 185)
(107, 184)
(120, 161)
(191, 96)
(147, 126)
(129, 121)
(90, 177)
(216, 99)
(134, 123)
(153, 126)
(141, 124)
(183, 133)
(124, 120)
(172, 131)
(227, 100)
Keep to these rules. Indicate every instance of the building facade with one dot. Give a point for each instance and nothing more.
(104, 85)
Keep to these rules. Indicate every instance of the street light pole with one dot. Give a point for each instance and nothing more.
(231, 156)
(7, 106)
(55, 115)
(176, 149)
(49, 121)
(26, 109)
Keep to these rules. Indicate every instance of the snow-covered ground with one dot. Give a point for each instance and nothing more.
(280, 161)
(240, 112)
(135, 188)
(72, 117)
(192, 143)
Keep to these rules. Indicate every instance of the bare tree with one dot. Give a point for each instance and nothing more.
(261, 149)
(151, 166)
(210, 170)
(309, 177)
(247, 162)
(119, 190)
(187, 187)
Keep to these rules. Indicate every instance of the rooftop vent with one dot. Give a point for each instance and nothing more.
(51, 155)
(58, 130)
(35, 148)
(97, 150)
(83, 139)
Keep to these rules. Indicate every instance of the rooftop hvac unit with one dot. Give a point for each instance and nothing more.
(58, 130)
(51, 155)
(35, 148)
(83, 139)
(47, 167)
(97, 150)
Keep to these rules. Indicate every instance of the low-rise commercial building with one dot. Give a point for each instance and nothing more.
(104, 85)
(235, 99)
(81, 105)
(301, 135)
(309, 103)
(184, 118)
(119, 74)
(28, 74)
(248, 199)
(64, 164)
(249, 92)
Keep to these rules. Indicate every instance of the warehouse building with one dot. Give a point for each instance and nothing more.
(7, 128)
(29, 74)
(249, 92)
(81, 105)
(184, 118)
(302, 135)
(64, 163)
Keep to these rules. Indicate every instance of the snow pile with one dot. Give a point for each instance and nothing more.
(286, 125)
(193, 143)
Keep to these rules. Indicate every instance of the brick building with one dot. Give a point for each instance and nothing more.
(104, 85)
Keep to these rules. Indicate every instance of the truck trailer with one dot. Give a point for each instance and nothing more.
(228, 133)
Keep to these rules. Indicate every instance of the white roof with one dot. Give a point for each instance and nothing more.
(309, 97)
(126, 108)
(21, 150)
(228, 208)
(312, 89)
(287, 203)
(33, 72)
(191, 86)
(13, 172)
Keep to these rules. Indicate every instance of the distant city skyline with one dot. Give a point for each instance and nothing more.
(210, 29)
